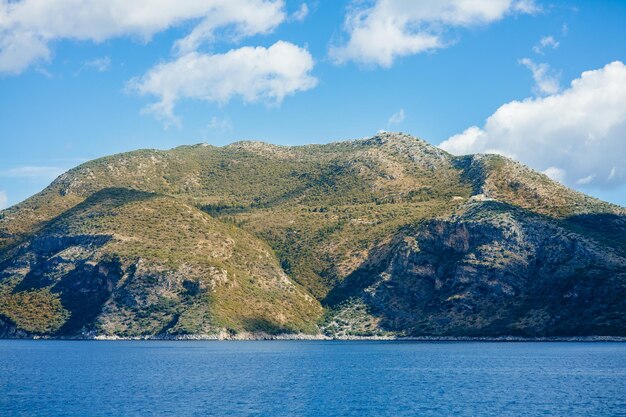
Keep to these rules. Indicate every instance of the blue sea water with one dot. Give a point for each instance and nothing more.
(311, 378)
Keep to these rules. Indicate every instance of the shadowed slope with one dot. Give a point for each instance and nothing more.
(128, 262)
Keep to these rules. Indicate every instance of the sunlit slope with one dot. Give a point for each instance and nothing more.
(291, 227)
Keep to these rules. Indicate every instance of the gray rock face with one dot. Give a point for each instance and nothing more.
(70, 267)
(9, 330)
(494, 271)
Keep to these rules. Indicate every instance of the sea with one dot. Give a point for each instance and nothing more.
(311, 378)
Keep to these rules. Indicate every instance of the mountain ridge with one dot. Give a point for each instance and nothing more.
(385, 236)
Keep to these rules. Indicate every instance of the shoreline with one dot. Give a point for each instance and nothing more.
(224, 336)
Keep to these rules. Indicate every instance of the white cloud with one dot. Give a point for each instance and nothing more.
(4, 199)
(546, 79)
(545, 43)
(586, 180)
(246, 17)
(99, 64)
(379, 33)
(301, 14)
(576, 136)
(397, 118)
(557, 174)
(33, 172)
(254, 74)
(221, 125)
(18, 50)
(27, 27)
(463, 143)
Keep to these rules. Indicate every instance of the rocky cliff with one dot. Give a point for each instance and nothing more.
(386, 236)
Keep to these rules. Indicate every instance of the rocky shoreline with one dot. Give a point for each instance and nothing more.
(225, 336)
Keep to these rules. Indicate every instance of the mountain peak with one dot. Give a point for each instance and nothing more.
(387, 235)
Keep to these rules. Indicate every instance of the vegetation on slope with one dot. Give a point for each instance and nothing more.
(252, 237)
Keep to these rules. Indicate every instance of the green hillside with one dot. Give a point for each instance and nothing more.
(381, 236)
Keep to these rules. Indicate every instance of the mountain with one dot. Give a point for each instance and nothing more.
(384, 236)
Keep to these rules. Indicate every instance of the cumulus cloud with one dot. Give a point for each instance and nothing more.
(27, 27)
(4, 200)
(546, 79)
(384, 30)
(576, 136)
(397, 118)
(252, 73)
(547, 42)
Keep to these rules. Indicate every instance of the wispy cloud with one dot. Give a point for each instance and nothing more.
(32, 172)
(221, 125)
(4, 199)
(547, 42)
(301, 13)
(99, 64)
(546, 79)
(397, 118)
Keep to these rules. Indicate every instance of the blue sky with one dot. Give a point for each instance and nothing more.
(78, 84)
